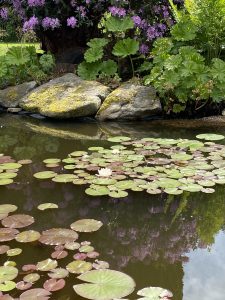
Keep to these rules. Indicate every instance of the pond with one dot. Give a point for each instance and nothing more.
(175, 242)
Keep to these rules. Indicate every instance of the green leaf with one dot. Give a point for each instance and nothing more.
(109, 67)
(98, 43)
(126, 47)
(177, 108)
(104, 285)
(47, 62)
(17, 56)
(89, 71)
(116, 24)
(93, 54)
(146, 66)
(184, 30)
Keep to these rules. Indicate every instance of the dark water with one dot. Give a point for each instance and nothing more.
(176, 243)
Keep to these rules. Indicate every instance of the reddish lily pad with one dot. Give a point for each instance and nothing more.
(53, 284)
(7, 234)
(18, 221)
(58, 236)
(35, 294)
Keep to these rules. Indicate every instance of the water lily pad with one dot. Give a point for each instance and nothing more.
(100, 264)
(97, 191)
(118, 139)
(7, 286)
(95, 148)
(79, 267)
(7, 175)
(7, 273)
(118, 194)
(59, 254)
(86, 225)
(35, 294)
(7, 208)
(154, 293)
(86, 248)
(18, 221)
(58, 236)
(124, 184)
(27, 268)
(78, 153)
(47, 265)
(64, 178)
(72, 246)
(104, 285)
(181, 156)
(5, 181)
(22, 285)
(4, 249)
(45, 175)
(80, 256)
(58, 273)
(14, 252)
(52, 161)
(31, 278)
(45, 206)
(25, 161)
(10, 166)
(210, 137)
(53, 284)
(7, 234)
(173, 191)
(28, 236)
(104, 181)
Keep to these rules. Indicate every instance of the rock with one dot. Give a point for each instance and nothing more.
(130, 101)
(11, 96)
(66, 97)
(14, 110)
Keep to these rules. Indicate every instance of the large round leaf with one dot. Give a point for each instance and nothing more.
(86, 225)
(7, 273)
(210, 137)
(18, 221)
(58, 236)
(104, 285)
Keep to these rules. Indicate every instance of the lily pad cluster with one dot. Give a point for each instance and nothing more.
(99, 282)
(9, 169)
(154, 165)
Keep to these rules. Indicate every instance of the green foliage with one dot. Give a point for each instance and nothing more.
(112, 47)
(183, 75)
(126, 47)
(116, 24)
(21, 64)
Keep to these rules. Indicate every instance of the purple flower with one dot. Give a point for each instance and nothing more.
(4, 13)
(144, 49)
(34, 3)
(117, 11)
(30, 24)
(50, 23)
(137, 21)
(72, 22)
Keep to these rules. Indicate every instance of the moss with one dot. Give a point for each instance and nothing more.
(123, 95)
(12, 94)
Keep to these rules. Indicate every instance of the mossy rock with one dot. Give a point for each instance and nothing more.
(11, 96)
(130, 101)
(66, 97)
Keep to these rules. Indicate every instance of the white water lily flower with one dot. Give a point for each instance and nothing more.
(105, 172)
(116, 151)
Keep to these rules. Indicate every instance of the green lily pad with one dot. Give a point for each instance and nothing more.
(79, 267)
(14, 252)
(78, 153)
(104, 181)
(7, 175)
(27, 236)
(104, 285)
(118, 139)
(7, 208)
(154, 293)
(173, 191)
(118, 194)
(5, 181)
(45, 206)
(86, 225)
(45, 175)
(7, 273)
(125, 184)
(58, 273)
(181, 156)
(210, 137)
(52, 161)
(47, 265)
(31, 278)
(97, 191)
(64, 178)
(10, 166)
(86, 249)
(7, 286)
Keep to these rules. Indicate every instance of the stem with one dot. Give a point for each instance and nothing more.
(132, 65)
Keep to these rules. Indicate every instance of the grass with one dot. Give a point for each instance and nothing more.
(5, 46)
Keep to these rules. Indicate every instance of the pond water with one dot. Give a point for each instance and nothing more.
(174, 242)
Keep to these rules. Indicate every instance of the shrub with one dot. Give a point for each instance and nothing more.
(22, 64)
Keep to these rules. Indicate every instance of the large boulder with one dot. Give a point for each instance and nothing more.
(130, 101)
(66, 97)
(11, 96)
